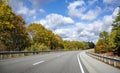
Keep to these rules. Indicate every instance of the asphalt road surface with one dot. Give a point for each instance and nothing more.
(59, 62)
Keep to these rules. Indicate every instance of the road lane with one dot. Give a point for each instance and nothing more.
(61, 62)
(64, 62)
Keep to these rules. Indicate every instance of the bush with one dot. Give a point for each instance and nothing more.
(37, 47)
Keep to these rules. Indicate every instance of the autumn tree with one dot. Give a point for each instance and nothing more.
(103, 44)
(13, 33)
(99, 47)
(75, 45)
(40, 34)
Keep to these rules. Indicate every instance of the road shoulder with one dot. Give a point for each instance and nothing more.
(95, 66)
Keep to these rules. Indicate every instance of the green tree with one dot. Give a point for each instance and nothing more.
(111, 41)
(91, 44)
(117, 41)
(116, 27)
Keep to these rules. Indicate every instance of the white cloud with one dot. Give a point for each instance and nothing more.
(91, 2)
(34, 17)
(52, 21)
(24, 10)
(88, 32)
(91, 14)
(32, 12)
(108, 1)
(78, 9)
(112, 2)
(73, 11)
(42, 11)
(38, 3)
(115, 12)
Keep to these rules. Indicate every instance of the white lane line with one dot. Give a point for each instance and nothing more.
(58, 55)
(80, 64)
(38, 62)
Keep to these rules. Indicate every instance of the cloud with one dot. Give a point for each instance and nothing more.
(112, 2)
(42, 11)
(114, 14)
(39, 3)
(108, 1)
(88, 32)
(23, 10)
(91, 2)
(73, 11)
(53, 21)
(78, 9)
(34, 17)
(91, 14)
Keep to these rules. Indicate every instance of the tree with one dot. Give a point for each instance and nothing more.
(117, 42)
(99, 47)
(102, 44)
(13, 33)
(42, 35)
(91, 44)
(111, 41)
(116, 28)
(75, 45)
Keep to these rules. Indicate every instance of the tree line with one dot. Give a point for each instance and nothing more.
(15, 36)
(110, 42)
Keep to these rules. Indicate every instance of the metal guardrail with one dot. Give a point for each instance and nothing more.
(106, 59)
(21, 52)
(10, 54)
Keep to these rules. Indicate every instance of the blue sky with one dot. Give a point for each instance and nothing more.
(80, 20)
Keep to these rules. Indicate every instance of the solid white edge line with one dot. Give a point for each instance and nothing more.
(38, 62)
(80, 65)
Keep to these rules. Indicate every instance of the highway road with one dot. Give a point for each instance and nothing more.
(59, 62)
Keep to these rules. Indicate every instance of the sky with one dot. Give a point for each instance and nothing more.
(80, 20)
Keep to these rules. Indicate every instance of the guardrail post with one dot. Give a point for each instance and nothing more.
(23, 54)
(1, 57)
(105, 60)
(109, 61)
(101, 58)
(10, 56)
(98, 58)
(114, 62)
(16, 55)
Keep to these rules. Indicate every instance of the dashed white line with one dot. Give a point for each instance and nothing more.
(38, 62)
(81, 68)
(58, 55)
